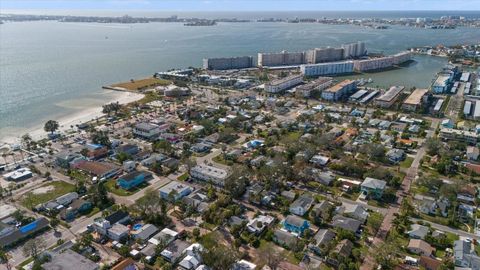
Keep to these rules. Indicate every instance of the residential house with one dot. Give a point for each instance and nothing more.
(129, 149)
(319, 160)
(289, 195)
(144, 233)
(395, 155)
(346, 223)
(175, 190)
(301, 205)
(165, 236)
(133, 179)
(465, 255)
(322, 210)
(418, 231)
(472, 153)
(193, 257)
(295, 224)
(118, 232)
(126, 264)
(465, 212)
(355, 211)
(429, 205)
(429, 263)
(420, 247)
(65, 159)
(244, 265)
(284, 238)
(467, 194)
(259, 224)
(77, 207)
(321, 241)
(146, 131)
(174, 251)
(373, 187)
(342, 250)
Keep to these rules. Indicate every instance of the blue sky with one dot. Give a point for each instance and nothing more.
(241, 5)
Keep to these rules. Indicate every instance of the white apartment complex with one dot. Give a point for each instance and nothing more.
(327, 68)
(277, 86)
(210, 173)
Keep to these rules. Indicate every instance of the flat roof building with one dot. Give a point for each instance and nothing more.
(441, 84)
(210, 173)
(279, 85)
(228, 63)
(476, 110)
(69, 259)
(369, 97)
(339, 90)
(359, 94)
(438, 105)
(459, 135)
(323, 69)
(467, 109)
(306, 90)
(282, 58)
(415, 99)
(388, 98)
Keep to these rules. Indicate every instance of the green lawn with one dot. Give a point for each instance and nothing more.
(183, 177)
(53, 190)
(291, 137)
(406, 163)
(219, 159)
(111, 186)
(78, 175)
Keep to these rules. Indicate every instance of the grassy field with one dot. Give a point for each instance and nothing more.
(406, 163)
(111, 186)
(141, 84)
(183, 177)
(55, 189)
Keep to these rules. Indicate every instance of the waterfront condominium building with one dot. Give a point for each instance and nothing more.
(306, 90)
(228, 63)
(209, 173)
(373, 64)
(354, 50)
(415, 99)
(388, 98)
(282, 58)
(320, 55)
(401, 57)
(339, 90)
(327, 68)
(278, 86)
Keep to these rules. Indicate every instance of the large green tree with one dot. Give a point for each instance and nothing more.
(51, 126)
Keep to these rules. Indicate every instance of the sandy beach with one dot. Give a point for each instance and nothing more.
(66, 122)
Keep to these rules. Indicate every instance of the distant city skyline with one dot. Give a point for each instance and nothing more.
(241, 5)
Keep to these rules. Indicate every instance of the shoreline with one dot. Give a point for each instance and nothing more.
(66, 122)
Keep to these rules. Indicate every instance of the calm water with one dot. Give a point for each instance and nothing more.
(50, 69)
